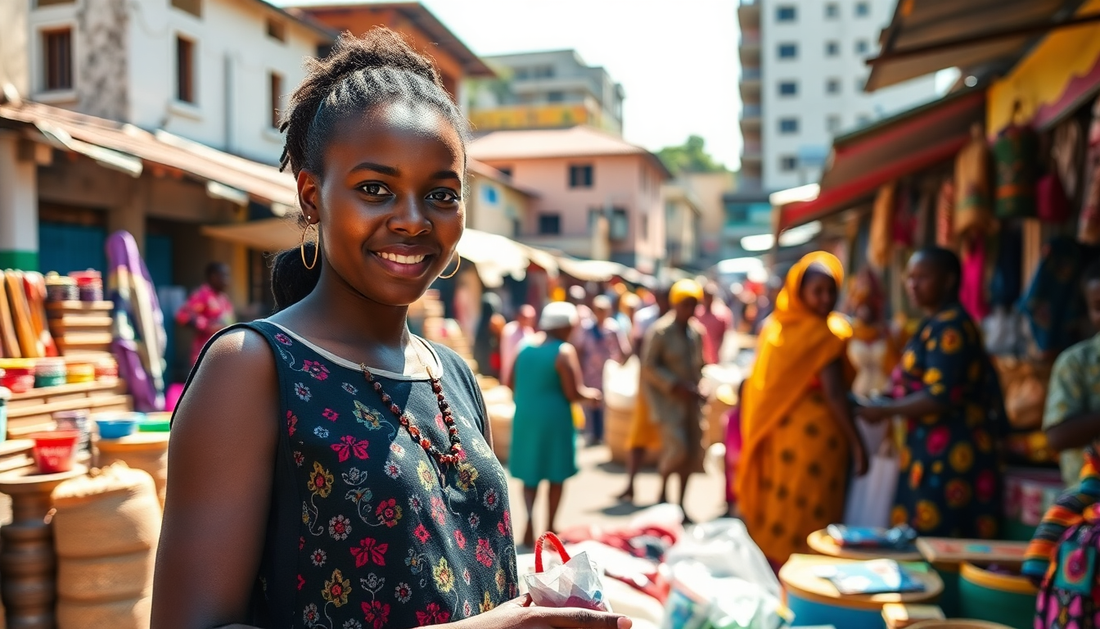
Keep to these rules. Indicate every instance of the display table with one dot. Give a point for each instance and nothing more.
(146, 451)
(823, 544)
(27, 559)
(32, 411)
(816, 601)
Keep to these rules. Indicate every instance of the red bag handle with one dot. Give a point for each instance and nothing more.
(555, 542)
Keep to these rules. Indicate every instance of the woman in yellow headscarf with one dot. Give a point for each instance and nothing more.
(796, 422)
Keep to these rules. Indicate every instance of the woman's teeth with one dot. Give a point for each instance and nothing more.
(393, 257)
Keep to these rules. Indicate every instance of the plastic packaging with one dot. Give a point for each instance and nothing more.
(575, 583)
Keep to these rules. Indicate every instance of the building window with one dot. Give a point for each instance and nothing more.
(832, 11)
(490, 195)
(832, 124)
(517, 228)
(832, 86)
(788, 88)
(863, 9)
(618, 226)
(788, 51)
(786, 13)
(549, 224)
(57, 55)
(863, 120)
(50, 3)
(862, 46)
(275, 81)
(788, 125)
(544, 72)
(788, 163)
(832, 48)
(505, 170)
(555, 96)
(194, 7)
(276, 30)
(185, 70)
(580, 176)
(861, 81)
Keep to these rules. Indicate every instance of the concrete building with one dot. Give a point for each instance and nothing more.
(540, 90)
(494, 204)
(599, 196)
(802, 79)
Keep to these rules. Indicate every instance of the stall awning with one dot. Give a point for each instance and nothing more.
(926, 36)
(128, 148)
(860, 162)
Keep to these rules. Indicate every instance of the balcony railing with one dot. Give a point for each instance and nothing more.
(751, 74)
(750, 38)
(751, 111)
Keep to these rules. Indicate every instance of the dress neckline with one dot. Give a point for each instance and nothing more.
(435, 367)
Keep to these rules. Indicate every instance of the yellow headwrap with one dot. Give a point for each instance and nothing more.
(683, 289)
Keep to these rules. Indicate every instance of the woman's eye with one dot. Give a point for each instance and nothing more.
(444, 196)
(374, 189)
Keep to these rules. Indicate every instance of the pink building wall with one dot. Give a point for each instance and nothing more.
(631, 182)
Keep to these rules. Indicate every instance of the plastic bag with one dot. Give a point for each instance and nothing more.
(725, 549)
(574, 583)
(871, 496)
(700, 601)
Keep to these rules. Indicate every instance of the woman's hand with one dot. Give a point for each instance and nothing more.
(873, 414)
(520, 614)
(862, 462)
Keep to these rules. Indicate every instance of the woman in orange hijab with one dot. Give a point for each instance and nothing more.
(799, 437)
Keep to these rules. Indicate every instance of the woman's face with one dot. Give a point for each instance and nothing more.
(819, 293)
(924, 282)
(390, 200)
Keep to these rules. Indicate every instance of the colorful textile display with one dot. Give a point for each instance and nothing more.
(972, 196)
(1005, 288)
(138, 323)
(1071, 509)
(1088, 229)
(1052, 203)
(882, 221)
(1067, 152)
(945, 214)
(1052, 306)
(1014, 154)
(972, 282)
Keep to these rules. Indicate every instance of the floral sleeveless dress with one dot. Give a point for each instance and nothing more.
(366, 530)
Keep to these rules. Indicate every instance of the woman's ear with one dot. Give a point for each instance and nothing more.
(309, 193)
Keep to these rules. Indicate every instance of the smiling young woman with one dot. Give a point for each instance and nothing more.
(330, 469)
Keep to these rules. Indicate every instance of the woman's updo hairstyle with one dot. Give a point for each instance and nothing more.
(360, 73)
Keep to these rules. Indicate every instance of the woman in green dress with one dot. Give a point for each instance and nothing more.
(547, 381)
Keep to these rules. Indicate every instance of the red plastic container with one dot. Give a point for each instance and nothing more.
(55, 452)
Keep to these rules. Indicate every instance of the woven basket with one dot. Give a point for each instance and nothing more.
(131, 613)
(100, 579)
(114, 512)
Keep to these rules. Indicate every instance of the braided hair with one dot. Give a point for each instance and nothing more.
(359, 74)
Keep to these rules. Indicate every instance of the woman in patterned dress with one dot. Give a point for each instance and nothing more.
(330, 469)
(950, 479)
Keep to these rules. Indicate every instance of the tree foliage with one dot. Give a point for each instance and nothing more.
(690, 157)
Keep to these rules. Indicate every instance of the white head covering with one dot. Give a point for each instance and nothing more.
(557, 315)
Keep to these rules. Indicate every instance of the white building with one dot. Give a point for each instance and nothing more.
(802, 76)
(551, 89)
(212, 71)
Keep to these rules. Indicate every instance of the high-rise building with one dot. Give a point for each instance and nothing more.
(545, 90)
(802, 75)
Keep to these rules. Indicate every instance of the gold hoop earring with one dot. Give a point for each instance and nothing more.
(454, 272)
(316, 249)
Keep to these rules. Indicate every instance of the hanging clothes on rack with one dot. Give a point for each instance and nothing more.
(972, 284)
(1052, 305)
(973, 209)
(945, 214)
(882, 227)
(1088, 229)
(1014, 156)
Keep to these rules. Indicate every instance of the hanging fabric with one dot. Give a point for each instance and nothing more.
(945, 214)
(972, 195)
(1088, 230)
(1014, 156)
(1067, 152)
(971, 284)
(1051, 305)
(1051, 199)
(882, 217)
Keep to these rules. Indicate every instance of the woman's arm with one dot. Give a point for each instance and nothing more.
(836, 398)
(916, 404)
(569, 370)
(222, 456)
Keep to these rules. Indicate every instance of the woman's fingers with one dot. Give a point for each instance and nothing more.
(585, 619)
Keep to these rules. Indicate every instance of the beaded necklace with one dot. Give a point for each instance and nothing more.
(454, 455)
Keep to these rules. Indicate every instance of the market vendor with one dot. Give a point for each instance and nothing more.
(208, 310)
(950, 480)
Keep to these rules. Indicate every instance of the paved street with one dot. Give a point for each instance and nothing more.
(590, 496)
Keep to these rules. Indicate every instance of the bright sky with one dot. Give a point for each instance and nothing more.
(677, 61)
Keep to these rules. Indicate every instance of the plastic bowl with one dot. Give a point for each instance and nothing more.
(156, 422)
(55, 452)
(115, 428)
